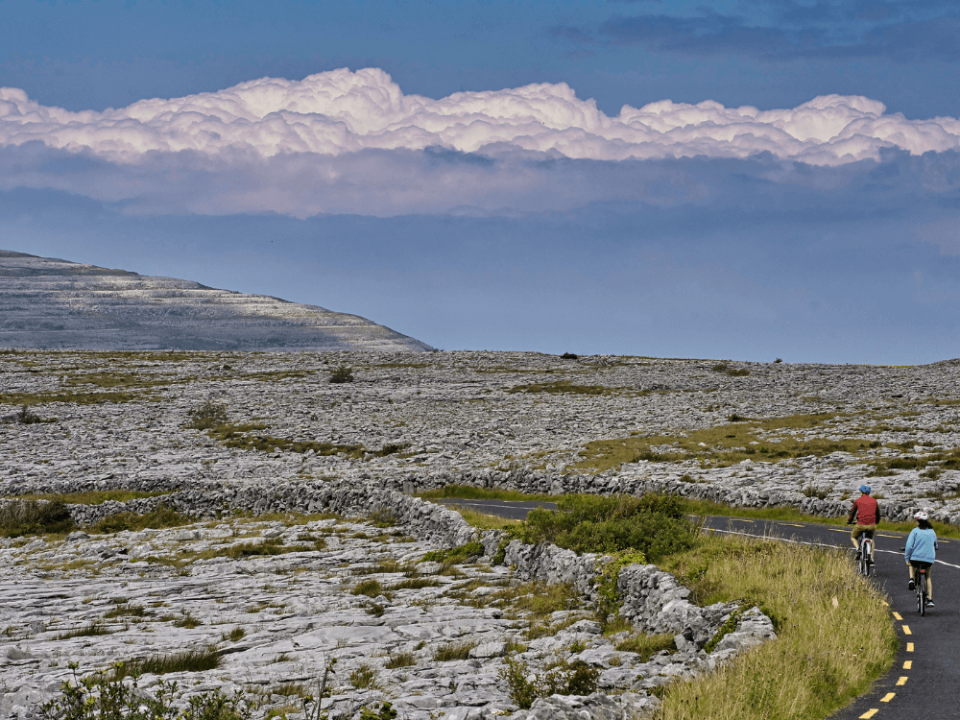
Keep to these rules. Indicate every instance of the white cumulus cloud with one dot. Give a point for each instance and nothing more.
(353, 142)
(339, 112)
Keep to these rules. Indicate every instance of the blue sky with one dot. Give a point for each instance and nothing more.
(483, 185)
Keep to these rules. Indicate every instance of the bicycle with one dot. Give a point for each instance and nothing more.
(865, 557)
(920, 585)
(920, 579)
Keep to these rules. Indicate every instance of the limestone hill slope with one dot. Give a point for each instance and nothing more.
(46, 303)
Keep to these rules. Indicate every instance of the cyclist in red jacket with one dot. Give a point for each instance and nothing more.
(866, 511)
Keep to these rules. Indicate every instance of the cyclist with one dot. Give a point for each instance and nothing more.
(866, 511)
(921, 551)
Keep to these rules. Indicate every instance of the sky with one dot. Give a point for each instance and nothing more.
(752, 179)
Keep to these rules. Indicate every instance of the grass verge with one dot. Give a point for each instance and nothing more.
(835, 633)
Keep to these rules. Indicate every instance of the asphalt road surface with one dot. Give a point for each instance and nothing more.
(925, 680)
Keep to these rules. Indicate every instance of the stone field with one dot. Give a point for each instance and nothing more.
(290, 442)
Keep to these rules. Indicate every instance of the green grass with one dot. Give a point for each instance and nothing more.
(469, 492)
(161, 517)
(187, 661)
(78, 398)
(92, 630)
(30, 517)
(835, 632)
(789, 514)
(783, 438)
(453, 651)
(92, 497)
(565, 387)
(646, 646)
(244, 437)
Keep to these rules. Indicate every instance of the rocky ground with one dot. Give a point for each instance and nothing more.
(747, 433)
(422, 419)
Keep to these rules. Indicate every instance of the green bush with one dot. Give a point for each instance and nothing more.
(31, 517)
(576, 678)
(102, 696)
(208, 415)
(160, 517)
(652, 524)
(342, 374)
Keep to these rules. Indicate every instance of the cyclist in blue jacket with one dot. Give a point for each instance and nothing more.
(921, 551)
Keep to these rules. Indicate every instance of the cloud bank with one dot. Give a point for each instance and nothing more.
(353, 142)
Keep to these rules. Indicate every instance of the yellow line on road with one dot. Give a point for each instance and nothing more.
(908, 664)
(845, 532)
(909, 647)
(888, 697)
(906, 630)
(791, 524)
(895, 536)
(870, 713)
(902, 680)
(897, 616)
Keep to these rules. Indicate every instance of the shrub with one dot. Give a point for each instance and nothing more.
(400, 660)
(453, 651)
(577, 678)
(31, 517)
(455, 555)
(342, 374)
(569, 356)
(653, 525)
(364, 677)
(208, 415)
(370, 588)
(187, 661)
(101, 696)
(160, 517)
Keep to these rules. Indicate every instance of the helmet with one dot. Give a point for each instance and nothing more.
(921, 516)
(865, 489)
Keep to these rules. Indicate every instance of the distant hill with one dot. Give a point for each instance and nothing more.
(46, 303)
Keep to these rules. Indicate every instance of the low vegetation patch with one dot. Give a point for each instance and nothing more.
(646, 646)
(453, 651)
(66, 396)
(93, 497)
(821, 610)
(102, 696)
(469, 492)
(158, 518)
(34, 517)
(653, 525)
(455, 555)
(576, 678)
(188, 661)
(770, 440)
(565, 387)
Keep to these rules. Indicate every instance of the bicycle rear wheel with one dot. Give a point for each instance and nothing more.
(922, 594)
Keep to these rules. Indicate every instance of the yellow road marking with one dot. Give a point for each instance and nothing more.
(791, 524)
(906, 630)
(895, 536)
(908, 664)
(897, 616)
(909, 647)
(902, 680)
(845, 532)
(870, 713)
(888, 697)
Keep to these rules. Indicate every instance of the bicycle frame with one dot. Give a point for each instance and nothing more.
(920, 578)
(866, 554)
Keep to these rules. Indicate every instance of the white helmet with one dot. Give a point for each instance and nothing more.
(921, 516)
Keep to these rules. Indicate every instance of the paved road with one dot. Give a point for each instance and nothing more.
(925, 680)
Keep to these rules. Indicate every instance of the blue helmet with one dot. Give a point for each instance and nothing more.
(865, 489)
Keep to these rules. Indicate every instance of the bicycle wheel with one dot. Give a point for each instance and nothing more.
(922, 594)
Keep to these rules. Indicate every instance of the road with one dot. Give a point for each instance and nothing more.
(925, 679)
